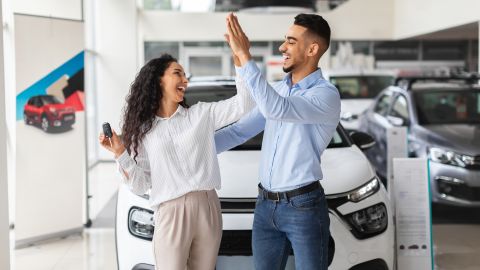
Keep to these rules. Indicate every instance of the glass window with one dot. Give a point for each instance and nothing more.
(444, 50)
(396, 50)
(360, 86)
(275, 47)
(448, 106)
(204, 44)
(205, 65)
(400, 108)
(157, 4)
(50, 100)
(382, 104)
(156, 49)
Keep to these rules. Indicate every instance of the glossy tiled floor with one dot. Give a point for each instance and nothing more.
(94, 249)
(456, 236)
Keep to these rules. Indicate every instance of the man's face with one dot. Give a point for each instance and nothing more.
(294, 48)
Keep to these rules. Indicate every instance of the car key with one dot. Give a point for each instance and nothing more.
(107, 130)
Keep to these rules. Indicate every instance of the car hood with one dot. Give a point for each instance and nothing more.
(59, 106)
(344, 169)
(355, 106)
(462, 138)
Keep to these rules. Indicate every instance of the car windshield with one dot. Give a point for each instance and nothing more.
(205, 93)
(438, 106)
(354, 87)
(50, 100)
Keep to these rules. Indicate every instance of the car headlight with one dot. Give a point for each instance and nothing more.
(365, 190)
(53, 110)
(368, 222)
(141, 223)
(448, 157)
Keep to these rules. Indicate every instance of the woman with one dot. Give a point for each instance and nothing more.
(172, 152)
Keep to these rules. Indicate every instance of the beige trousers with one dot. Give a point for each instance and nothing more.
(188, 231)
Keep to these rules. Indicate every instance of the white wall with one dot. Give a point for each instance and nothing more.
(115, 48)
(362, 20)
(5, 251)
(67, 9)
(414, 17)
(178, 26)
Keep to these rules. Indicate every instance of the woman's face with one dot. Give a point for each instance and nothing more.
(173, 83)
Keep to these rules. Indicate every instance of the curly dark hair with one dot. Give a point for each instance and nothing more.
(143, 102)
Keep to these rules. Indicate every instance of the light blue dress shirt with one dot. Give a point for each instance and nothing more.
(299, 122)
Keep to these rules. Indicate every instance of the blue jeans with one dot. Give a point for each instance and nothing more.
(301, 223)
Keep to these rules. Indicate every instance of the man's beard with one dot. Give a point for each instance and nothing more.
(288, 69)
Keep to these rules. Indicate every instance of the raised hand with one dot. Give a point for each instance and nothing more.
(113, 144)
(237, 40)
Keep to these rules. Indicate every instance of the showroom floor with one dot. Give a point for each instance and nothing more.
(456, 234)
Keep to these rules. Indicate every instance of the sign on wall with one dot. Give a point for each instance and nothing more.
(50, 129)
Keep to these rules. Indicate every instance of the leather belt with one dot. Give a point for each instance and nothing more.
(277, 196)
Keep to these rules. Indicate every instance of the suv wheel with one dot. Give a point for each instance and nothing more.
(45, 124)
(25, 118)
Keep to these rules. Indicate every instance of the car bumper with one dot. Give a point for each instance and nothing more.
(62, 120)
(453, 185)
(349, 252)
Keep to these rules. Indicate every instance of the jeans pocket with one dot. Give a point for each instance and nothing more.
(311, 200)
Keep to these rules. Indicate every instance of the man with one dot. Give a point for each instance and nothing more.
(299, 116)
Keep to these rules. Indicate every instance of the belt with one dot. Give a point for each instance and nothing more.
(277, 196)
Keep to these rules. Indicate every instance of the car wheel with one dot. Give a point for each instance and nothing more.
(25, 118)
(45, 124)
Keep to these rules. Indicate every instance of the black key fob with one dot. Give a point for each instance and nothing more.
(107, 130)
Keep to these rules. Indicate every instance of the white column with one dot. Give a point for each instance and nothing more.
(4, 217)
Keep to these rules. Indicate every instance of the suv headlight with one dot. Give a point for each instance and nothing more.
(141, 223)
(53, 110)
(365, 190)
(448, 157)
(368, 222)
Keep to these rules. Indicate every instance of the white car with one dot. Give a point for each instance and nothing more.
(358, 90)
(361, 225)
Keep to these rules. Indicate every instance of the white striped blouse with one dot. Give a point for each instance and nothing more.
(178, 154)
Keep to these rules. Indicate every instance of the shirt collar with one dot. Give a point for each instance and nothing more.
(180, 110)
(306, 82)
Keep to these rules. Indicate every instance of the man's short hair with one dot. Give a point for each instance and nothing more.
(315, 25)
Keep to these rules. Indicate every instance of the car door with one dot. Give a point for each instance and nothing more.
(376, 125)
(37, 109)
(29, 109)
(400, 115)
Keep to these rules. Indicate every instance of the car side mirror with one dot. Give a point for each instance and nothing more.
(396, 121)
(363, 140)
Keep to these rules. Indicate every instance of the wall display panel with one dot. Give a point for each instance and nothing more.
(50, 128)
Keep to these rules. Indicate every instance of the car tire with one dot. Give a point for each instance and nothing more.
(25, 118)
(44, 124)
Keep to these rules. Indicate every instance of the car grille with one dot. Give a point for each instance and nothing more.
(238, 205)
(236, 243)
(239, 243)
(460, 191)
